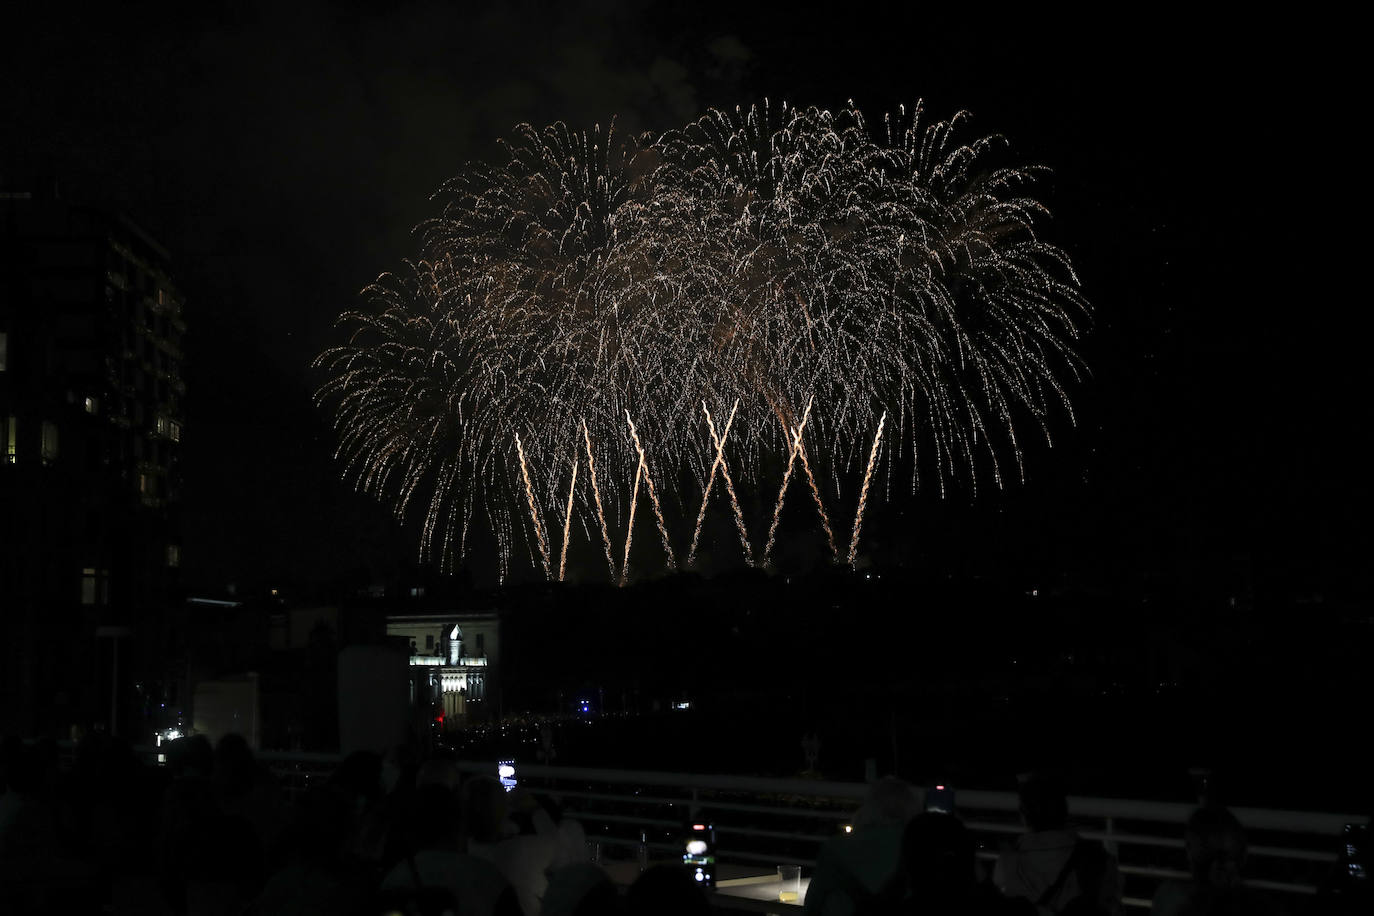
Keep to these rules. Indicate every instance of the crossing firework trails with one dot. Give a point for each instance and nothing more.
(600, 293)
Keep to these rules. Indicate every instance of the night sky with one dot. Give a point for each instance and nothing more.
(283, 155)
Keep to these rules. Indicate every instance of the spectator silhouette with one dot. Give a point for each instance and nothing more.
(1348, 890)
(581, 889)
(940, 868)
(192, 756)
(526, 841)
(213, 851)
(854, 867)
(1216, 848)
(1050, 865)
(188, 799)
(437, 860)
(35, 875)
(245, 789)
(105, 800)
(10, 749)
(317, 880)
(359, 781)
(220, 817)
(234, 772)
(399, 769)
(28, 823)
(224, 866)
(358, 778)
(666, 890)
(438, 771)
(484, 809)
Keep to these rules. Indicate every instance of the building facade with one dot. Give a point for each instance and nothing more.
(91, 423)
(453, 658)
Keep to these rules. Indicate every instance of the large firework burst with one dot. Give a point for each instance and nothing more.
(602, 316)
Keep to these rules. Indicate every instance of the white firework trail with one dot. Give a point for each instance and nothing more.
(534, 509)
(863, 493)
(653, 494)
(761, 256)
(567, 525)
(786, 478)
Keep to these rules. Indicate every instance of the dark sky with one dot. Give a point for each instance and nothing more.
(285, 155)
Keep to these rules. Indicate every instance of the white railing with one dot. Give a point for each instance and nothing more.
(298, 771)
(774, 820)
(768, 820)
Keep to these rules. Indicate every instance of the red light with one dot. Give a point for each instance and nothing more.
(698, 826)
(939, 788)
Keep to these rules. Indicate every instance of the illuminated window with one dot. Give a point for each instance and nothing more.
(11, 439)
(95, 584)
(174, 431)
(49, 446)
(173, 555)
(92, 405)
(162, 426)
(4, 350)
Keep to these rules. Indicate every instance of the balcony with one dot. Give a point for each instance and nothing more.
(769, 821)
(761, 822)
(441, 661)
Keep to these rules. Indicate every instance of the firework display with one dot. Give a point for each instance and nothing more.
(601, 301)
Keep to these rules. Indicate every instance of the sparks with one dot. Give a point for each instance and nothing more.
(768, 257)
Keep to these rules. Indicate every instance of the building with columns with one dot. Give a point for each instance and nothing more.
(453, 657)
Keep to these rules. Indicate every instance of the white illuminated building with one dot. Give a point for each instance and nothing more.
(452, 656)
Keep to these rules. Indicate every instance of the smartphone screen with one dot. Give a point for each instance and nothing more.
(699, 853)
(1356, 851)
(505, 771)
(941, 799)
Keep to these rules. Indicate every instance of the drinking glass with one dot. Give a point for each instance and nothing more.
(789, 877)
